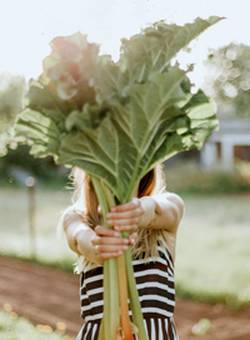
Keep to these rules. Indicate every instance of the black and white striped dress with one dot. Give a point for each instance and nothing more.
(155, 283)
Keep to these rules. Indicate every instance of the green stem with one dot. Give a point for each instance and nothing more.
(137, 316)
(134, 297)
(122, 280)
(111, 297)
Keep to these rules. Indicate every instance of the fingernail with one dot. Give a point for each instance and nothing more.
(117, 234)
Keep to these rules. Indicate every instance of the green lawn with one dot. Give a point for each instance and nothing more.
(213, 249)
(213, 246)
(14, 228)
(13, 327)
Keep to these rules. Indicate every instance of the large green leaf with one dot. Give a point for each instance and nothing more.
(153, 48)
(39, 131)
(132, 139)
(143, 113)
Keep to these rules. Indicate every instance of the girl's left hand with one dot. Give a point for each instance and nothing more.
(126, 217)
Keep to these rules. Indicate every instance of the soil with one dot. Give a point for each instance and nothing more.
(47, 296)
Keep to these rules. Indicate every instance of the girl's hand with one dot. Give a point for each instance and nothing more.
(109, 243)
(126, 217)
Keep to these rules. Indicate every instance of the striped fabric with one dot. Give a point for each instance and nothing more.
(155, 283)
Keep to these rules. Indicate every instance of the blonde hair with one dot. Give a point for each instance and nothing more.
(152, 183)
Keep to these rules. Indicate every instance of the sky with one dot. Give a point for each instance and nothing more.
(27, 27)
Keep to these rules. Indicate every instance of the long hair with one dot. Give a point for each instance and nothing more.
(152, 183)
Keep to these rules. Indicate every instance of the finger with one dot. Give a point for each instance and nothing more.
(104, 231)
(133, 237)
(110, 240)
(95, 240)
(125, 206)
(125, 214)
(128, 221)
(131, 227)
(106, 256)
(111, 248)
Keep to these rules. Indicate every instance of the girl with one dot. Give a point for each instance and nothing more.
(152, 220)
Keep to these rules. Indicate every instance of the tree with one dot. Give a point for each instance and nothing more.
(12, 94)
(228, 81)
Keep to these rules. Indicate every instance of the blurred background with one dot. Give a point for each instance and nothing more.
(38, 290)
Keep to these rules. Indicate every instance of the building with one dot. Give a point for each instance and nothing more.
(229, 143)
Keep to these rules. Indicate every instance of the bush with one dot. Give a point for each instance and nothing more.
(44, 170)
(188, 177)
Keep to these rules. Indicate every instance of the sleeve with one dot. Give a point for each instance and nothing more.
(73, 213)
(148, 204)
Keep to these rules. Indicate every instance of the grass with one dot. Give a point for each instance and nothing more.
(189, 177)
(14, 327)
(213, 252)
(14, 230)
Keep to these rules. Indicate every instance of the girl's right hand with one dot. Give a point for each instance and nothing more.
(109, 242)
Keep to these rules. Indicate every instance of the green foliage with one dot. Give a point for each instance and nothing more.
(13, 327)
(229, 82)
(12, 91)
(221, 272)
(151, 51)
(143, 107)
(188, 178)
(44, 170)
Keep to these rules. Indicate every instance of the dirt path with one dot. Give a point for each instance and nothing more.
(46, 295)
